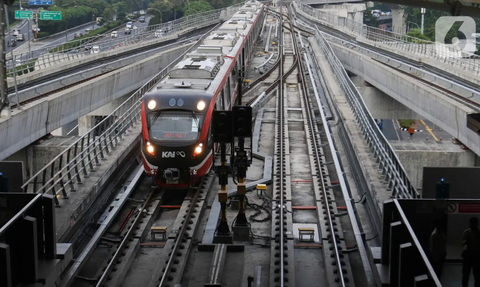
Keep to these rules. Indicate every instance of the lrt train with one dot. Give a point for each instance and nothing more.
(177, 144)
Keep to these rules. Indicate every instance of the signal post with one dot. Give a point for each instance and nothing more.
(222, 134)
(242, 128)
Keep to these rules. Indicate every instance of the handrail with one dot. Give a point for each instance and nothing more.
(433, 50)
(28, 61)
(72, 165)
(389, 164)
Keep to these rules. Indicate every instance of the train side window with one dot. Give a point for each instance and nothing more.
(210, 137)
(219, 103)
(228, 90)
(226, 97)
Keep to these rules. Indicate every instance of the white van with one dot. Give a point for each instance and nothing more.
(114, 34)
(129, 25)
(159, 33)
(95, 49)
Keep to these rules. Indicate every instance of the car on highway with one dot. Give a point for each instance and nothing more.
(142, 12)
(88, 30)
(114, 34)
(95, 49)
(88, 47)
(20, 37)
(159, 33)
(78, 35)
(128, 31)
(12, 43)
(141, 19)
(129, 25)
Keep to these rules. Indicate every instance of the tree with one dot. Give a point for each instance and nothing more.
(165, 8)
(417, 33)
(108, 14)
(369, 19)
(197, 7)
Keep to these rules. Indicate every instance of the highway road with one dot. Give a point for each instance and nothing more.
(392, 132)
(23, 49)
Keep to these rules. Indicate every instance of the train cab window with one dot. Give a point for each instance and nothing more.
(174, 126)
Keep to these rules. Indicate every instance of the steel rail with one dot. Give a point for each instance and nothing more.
(282, 153)
(314, 139)
(179, 238)
(124, 242)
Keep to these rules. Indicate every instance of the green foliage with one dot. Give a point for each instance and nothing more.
(71, 17)
(42, 34)
(431, 16)
(369, 19)
(76, 42)
(417, 33)
(154, 21)
(161, 10)
(107, 14)
(406, 123)
(197, 7)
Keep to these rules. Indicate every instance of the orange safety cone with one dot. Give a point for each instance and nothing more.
(440, 138)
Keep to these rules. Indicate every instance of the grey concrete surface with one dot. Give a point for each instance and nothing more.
(419, 56)
(46, 115)
(381, 105)
(445, 112)
(415, 156)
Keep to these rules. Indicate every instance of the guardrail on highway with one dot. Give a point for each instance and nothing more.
(71, 166)
(51, 55)
(447, 54)
(390, 166)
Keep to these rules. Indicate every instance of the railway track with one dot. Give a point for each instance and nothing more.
(303, 196)
(303, 186)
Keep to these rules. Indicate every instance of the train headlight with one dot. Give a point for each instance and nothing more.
(198, 149)
(150, 148)
(152, 104)
(201, 105)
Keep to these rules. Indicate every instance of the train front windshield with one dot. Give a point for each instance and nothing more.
(168, 126)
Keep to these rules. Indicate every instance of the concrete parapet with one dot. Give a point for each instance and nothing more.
(381, 105)
(47, 114)
(416, 51)
(415, 160)
(72, 208)
(445, 112)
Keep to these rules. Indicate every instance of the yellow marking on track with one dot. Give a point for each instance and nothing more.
(429, 130)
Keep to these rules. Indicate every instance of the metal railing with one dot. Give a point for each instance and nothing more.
(74, 164)
(390, 166)
(51, 55)
(437, 51)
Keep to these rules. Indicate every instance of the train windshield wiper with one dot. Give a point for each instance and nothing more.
(153, 119)
(194, 116)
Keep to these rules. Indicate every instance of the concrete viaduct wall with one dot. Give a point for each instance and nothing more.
(46, 115)
(443, 111)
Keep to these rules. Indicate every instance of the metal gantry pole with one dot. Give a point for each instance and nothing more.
(3, 69)
(13, 64)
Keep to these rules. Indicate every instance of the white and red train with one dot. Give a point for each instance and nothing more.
(177, 145)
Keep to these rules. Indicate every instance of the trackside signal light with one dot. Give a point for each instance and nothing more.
(242, 121)
(152, 104)
(150, 148)
(222, 126)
